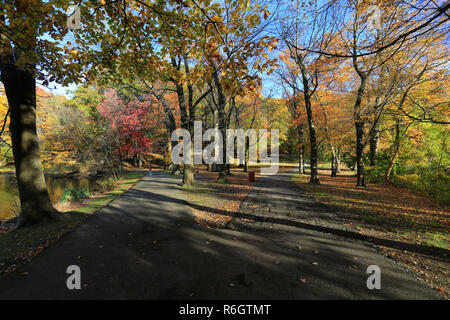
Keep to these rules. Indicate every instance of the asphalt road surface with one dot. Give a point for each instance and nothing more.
(146, 245)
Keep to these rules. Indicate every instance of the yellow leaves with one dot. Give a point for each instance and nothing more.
(3, 110)
(272, 46)
(217, 19)
(266, 14)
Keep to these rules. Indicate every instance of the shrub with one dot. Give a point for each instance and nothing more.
(106, 185)
(72, 194)
(433, 183)
(349, 160)
(374, 174)
(436, 184)
(431, 180)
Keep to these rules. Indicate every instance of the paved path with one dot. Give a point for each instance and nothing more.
(145, 245)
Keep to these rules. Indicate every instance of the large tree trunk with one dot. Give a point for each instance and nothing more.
(359, 129)
(188, 173)
(188, 176)
(222, 124)
(314, 179)
(20, 88)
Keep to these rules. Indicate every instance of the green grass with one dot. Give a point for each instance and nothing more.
(127, 180)
(203, 193)
(20, 245)
(437, 239)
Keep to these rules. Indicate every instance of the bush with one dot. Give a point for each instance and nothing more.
(431, 182)
(349, 160)
(72, 194)
(374, 174)
(106, 185)
(435, 183)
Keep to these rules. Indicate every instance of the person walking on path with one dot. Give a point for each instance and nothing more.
(150, 170)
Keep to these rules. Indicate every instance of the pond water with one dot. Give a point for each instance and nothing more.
(9, 199)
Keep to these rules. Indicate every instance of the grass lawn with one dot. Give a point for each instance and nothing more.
(20, 245)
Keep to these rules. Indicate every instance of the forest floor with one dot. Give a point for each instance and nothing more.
(389, 212)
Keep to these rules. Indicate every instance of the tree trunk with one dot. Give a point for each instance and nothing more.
(338, 161)
(374, 140)
(168, 158)
(301, 150)
(222, 124)
(188, 175)
(314, 179)
(395, 149)
(304, 159)
(246, 155)
(20, 88)
(301, 168)
(188, 172)
(359, 127)
(333, 161)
